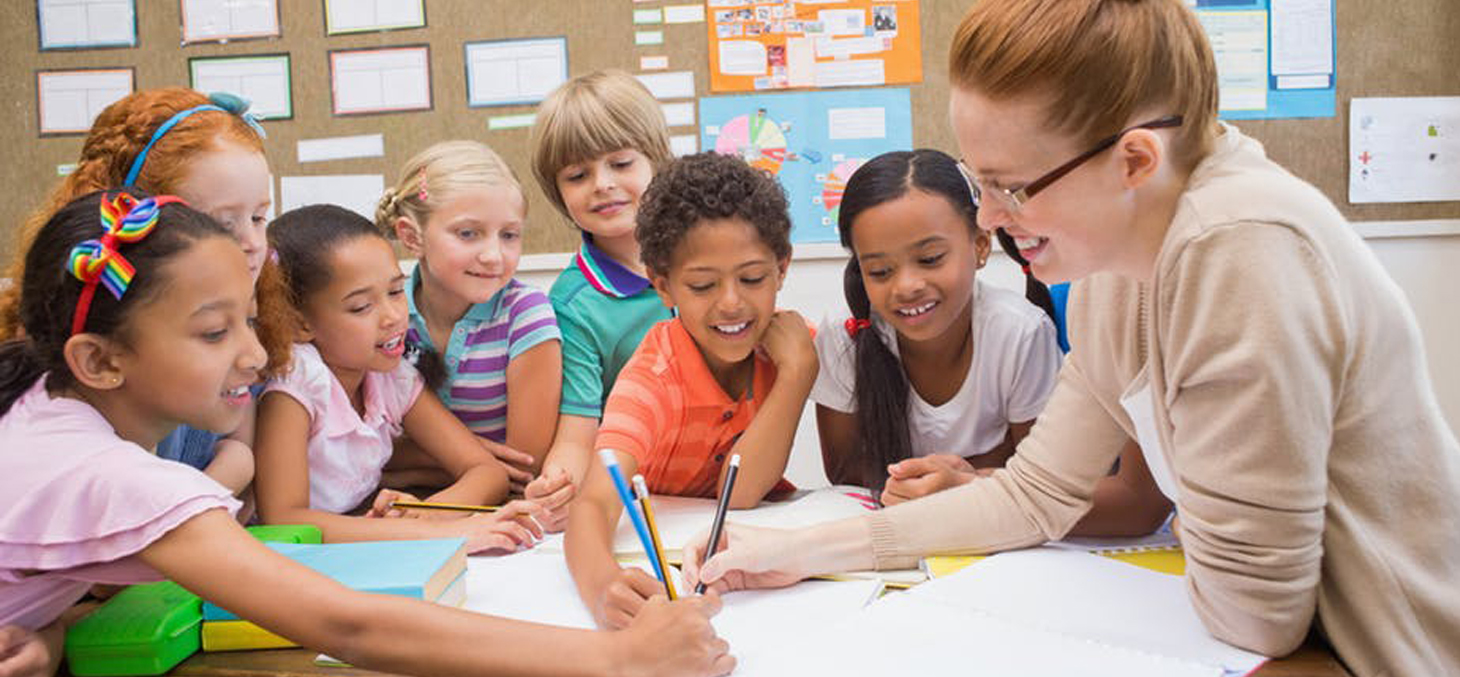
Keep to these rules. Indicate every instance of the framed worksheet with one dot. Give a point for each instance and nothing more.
(67, 101)
(392, 80)
(264, 80)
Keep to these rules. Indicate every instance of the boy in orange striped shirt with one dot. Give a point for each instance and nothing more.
(729, 374)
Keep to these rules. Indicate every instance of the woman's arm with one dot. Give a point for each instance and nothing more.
(480, 477)
(534, 389)
(1127, 503)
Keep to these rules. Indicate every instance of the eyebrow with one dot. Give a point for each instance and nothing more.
(361, 290)
(711, 269)
(220, 305)
(931, 239)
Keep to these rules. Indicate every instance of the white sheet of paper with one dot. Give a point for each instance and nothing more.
(684, 144)
(681, 114)
(843, 21)
(1302, 37)
(341, 147)
(684, 14)
(71, 100)
(851, 73)
(263, 80)
(351, 16)
(1404, 149)
(229, 19)
(504, 72)
(742, 57)
(1239, 41)
(671, 85)
(87, 23)
(679, 519)
(653, 63)
(843, 48)
(800, 62)
(376, 80)
(355, 192)
(1088, 596)
(856, 123)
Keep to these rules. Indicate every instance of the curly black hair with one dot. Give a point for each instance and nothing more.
(706, 186)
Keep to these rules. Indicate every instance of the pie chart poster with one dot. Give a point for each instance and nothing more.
(810, 141)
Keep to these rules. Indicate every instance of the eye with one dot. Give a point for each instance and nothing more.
(260, 220)
(877, 273)
(932, 260)
(622, 164)
(752, 280)
(510, 235)
(573, 177)
(216, 335)
(466, 234)
(397, 291)
(253, 323)
(358, 310)
(701, 288)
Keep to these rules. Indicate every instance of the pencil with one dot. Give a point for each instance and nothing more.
(424, 505)
(720, 509)
(643, 490)
(616, 474)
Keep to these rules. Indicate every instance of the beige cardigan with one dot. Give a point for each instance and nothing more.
(1312, 465)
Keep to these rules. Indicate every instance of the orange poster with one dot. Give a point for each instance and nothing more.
(758, 45)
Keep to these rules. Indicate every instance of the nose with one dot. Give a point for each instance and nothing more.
(907, 283)
(730, 299)
(490, 252)
(394, 311)
(603, 179)
(252, 357)
(992, 215)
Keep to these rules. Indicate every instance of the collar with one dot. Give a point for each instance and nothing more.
(606, 275)
(476, 312)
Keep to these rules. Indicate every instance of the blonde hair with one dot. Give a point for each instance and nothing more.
(1100, 62)
(437, 174)
(590, 115)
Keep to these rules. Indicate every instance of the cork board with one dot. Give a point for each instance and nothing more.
(1377, 56)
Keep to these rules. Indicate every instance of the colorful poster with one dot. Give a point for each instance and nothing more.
(1275, 58)
(810, 141)
(760, 45)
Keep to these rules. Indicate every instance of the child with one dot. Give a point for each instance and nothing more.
(325, 428)
(209, 152)
(598, 140)
(729, 375)
(936, 376)
(109, 364)
(459, 209)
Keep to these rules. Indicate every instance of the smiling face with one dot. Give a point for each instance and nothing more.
(470, 246)
(602, 194)
(190, 354)
(231, 184)
(918, 256)
(358, 320)
(723, 279)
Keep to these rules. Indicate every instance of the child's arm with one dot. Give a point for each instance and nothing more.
(480, 477)
(838, 433)
(766, 444)
(615, 595)
(1127, 503)
(572, 446)
(210, 555)
(232, 465)
(923, 475)
(31, 654)
(534, 388)
(282, 490)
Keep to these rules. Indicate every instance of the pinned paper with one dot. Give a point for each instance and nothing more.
(648, 16)
(70, 100)
(679, 114)
(684, 14)
(341, 148)
(653, 63)
(743, 57)
(223, 20)
(381, 80)
(511, 121)
(509, 72)
(70, 24)
(648, 37)
(355, 16)
(671, 85)
(263, 80)
(355, 192)
(684, 144)
(1404, 149)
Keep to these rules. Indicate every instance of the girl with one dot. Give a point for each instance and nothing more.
(109, 364)
(935, 376)
(325, 428)
(598, 140)
(1224, 315)
(459, 209)
(209, 152)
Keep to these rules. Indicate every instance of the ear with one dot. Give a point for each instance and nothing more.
(661, 287)
(94, 361)
(1142, 153)
(409, 234)
(982, 247)
(303, 333)
(782, 265)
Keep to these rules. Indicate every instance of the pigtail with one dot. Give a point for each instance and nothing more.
(881, 389)
(427, 361)
(387, 209)
(20, 366)
(1034, 291)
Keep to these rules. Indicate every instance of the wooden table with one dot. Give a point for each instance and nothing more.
(1313, 659)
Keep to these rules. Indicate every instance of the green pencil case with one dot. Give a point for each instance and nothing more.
(147, 629)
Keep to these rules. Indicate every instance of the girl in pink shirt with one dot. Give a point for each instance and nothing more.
(137, 319)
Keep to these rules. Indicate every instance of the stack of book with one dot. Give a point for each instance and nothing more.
(431, 570)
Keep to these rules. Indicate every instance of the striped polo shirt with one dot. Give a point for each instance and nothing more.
(482, 343)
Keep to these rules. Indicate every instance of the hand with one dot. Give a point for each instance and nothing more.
(750, 557)
(381, 506)
(917, 477)
(675, 638)
(787, 342)
(29, 654)
(517, 463)
(624, 597)
(513, 527)
(554, 491)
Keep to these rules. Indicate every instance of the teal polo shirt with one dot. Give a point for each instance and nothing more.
(604, 310)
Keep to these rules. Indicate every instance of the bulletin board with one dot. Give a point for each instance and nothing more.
(1377, 55)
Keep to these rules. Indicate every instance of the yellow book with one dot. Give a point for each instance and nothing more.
(240, 636)
(1166, 559)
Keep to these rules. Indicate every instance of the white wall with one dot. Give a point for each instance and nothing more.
(1424, 257)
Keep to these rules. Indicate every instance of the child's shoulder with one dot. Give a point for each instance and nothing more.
(519, 296)
(568, 286)
(1003, 312)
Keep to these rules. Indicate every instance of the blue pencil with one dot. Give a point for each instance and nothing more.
(617, 474)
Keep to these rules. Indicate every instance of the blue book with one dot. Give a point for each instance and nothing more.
(419, 569)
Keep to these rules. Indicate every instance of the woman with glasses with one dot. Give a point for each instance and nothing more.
(1224, 316)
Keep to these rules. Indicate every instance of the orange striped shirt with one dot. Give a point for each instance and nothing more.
(669, 413)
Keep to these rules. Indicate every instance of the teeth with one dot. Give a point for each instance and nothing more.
(240, 391)
(914, 312)
(391, 344)
(732, 328)
(1028, 242)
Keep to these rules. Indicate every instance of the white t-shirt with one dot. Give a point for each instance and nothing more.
(1016, 359)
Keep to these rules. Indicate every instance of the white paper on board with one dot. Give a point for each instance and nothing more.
(1239, 42)
(1302, 37)
(684, 14)
(681, 114)
(349, 16)
(684, 144)
(671, 85)
(800, 62)
(1404, 149)
(860, 72)
(263, 80)
(653, 63)
(71, 100)
(742, 57)
(341, 147)
(381, 80)
(226, 19)
(356, 192)
(856, 123)
(87, 23)
(506, 72)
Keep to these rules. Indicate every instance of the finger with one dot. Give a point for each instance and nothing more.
(724, 664)
(707, 604)
(559, 497)
(510, 455)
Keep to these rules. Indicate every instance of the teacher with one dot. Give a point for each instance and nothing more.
(1224, 316)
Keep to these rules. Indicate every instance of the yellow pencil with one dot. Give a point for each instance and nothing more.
(658, 553)
(423, 505)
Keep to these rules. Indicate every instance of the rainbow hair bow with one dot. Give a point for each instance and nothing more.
(124, 219)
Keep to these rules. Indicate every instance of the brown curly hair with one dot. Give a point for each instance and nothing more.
(707, 186)
(118, 135)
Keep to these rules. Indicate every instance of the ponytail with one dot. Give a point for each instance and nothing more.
(881, 388)
(20, 366)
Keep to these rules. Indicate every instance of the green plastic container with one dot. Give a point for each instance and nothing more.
(147, 629)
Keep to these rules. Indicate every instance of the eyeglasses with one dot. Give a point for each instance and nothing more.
(1011, 199)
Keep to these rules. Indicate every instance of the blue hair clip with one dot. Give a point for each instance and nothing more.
(221, 101)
